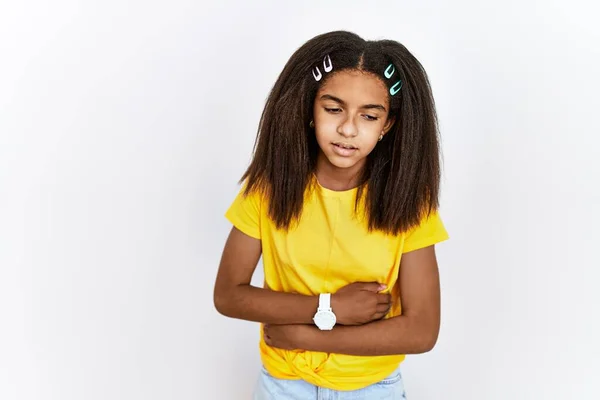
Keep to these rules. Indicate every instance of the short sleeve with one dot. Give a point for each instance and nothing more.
(244, 213)
(430, 231)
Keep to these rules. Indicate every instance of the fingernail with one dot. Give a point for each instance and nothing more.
(382, 287)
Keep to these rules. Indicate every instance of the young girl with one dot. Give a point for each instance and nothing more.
(340, 200)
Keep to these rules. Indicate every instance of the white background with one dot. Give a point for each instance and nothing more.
(124, 127)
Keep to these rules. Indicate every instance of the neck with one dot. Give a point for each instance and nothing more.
(337, 179)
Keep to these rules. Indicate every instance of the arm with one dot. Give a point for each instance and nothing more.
(415, 331)
(234, 296)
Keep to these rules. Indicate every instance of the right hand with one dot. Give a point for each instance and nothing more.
(360, 302)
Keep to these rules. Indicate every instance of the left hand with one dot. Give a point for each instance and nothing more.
(288, 337)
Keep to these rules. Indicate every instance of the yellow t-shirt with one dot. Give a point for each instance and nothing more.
(328, 249)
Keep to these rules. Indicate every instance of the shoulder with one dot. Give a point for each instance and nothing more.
(246, 209)
(429, 231)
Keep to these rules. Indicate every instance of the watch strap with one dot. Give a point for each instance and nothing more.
(324, 302)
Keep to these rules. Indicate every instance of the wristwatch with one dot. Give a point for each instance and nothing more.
(324, 317)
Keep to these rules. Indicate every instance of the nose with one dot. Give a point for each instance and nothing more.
(348, 128)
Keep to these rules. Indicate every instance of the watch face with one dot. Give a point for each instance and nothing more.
(324, 319)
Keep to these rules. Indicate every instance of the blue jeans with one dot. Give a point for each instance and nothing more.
(269, 388)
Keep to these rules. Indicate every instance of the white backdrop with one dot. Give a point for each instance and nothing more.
(124, 127)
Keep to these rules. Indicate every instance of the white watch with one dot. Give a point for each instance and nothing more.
(324, 318)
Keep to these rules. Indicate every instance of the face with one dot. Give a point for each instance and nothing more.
(350, 113)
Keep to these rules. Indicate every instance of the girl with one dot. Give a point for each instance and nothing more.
(341, 201)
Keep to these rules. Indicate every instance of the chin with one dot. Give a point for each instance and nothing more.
(342, 162)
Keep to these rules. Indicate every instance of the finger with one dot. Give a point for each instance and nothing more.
(383, 308)
(378, 315)
(374, 287)
(384, 298)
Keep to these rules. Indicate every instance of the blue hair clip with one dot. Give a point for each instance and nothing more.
(396, 88)
(389, 71)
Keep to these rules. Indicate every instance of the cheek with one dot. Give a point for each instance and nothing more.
(327, 122)
(370, 133)
(369, 144)
(325, 130)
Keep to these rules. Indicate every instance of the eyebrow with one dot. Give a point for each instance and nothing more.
(342, 102)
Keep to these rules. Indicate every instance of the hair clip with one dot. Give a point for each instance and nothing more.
(318, 75)
(327, 67)
(389, 71)
(396, 88)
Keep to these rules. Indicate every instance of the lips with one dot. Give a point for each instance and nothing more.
(344, 149)
(345, 146)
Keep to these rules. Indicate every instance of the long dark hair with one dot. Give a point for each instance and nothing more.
(401, 175)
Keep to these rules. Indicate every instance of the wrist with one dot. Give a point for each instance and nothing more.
(335, 303)
(312, 304)
(325, 318)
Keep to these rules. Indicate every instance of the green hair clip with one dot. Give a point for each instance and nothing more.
(388, 73)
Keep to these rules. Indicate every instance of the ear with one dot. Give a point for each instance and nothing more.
(388, 124)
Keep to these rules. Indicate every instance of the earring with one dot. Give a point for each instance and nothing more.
(311, 124)
(381, 137)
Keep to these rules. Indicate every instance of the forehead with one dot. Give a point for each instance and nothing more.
(354, 86)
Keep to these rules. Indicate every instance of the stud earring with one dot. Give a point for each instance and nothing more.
(311, 124)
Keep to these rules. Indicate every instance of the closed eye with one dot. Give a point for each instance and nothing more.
(339, 110)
